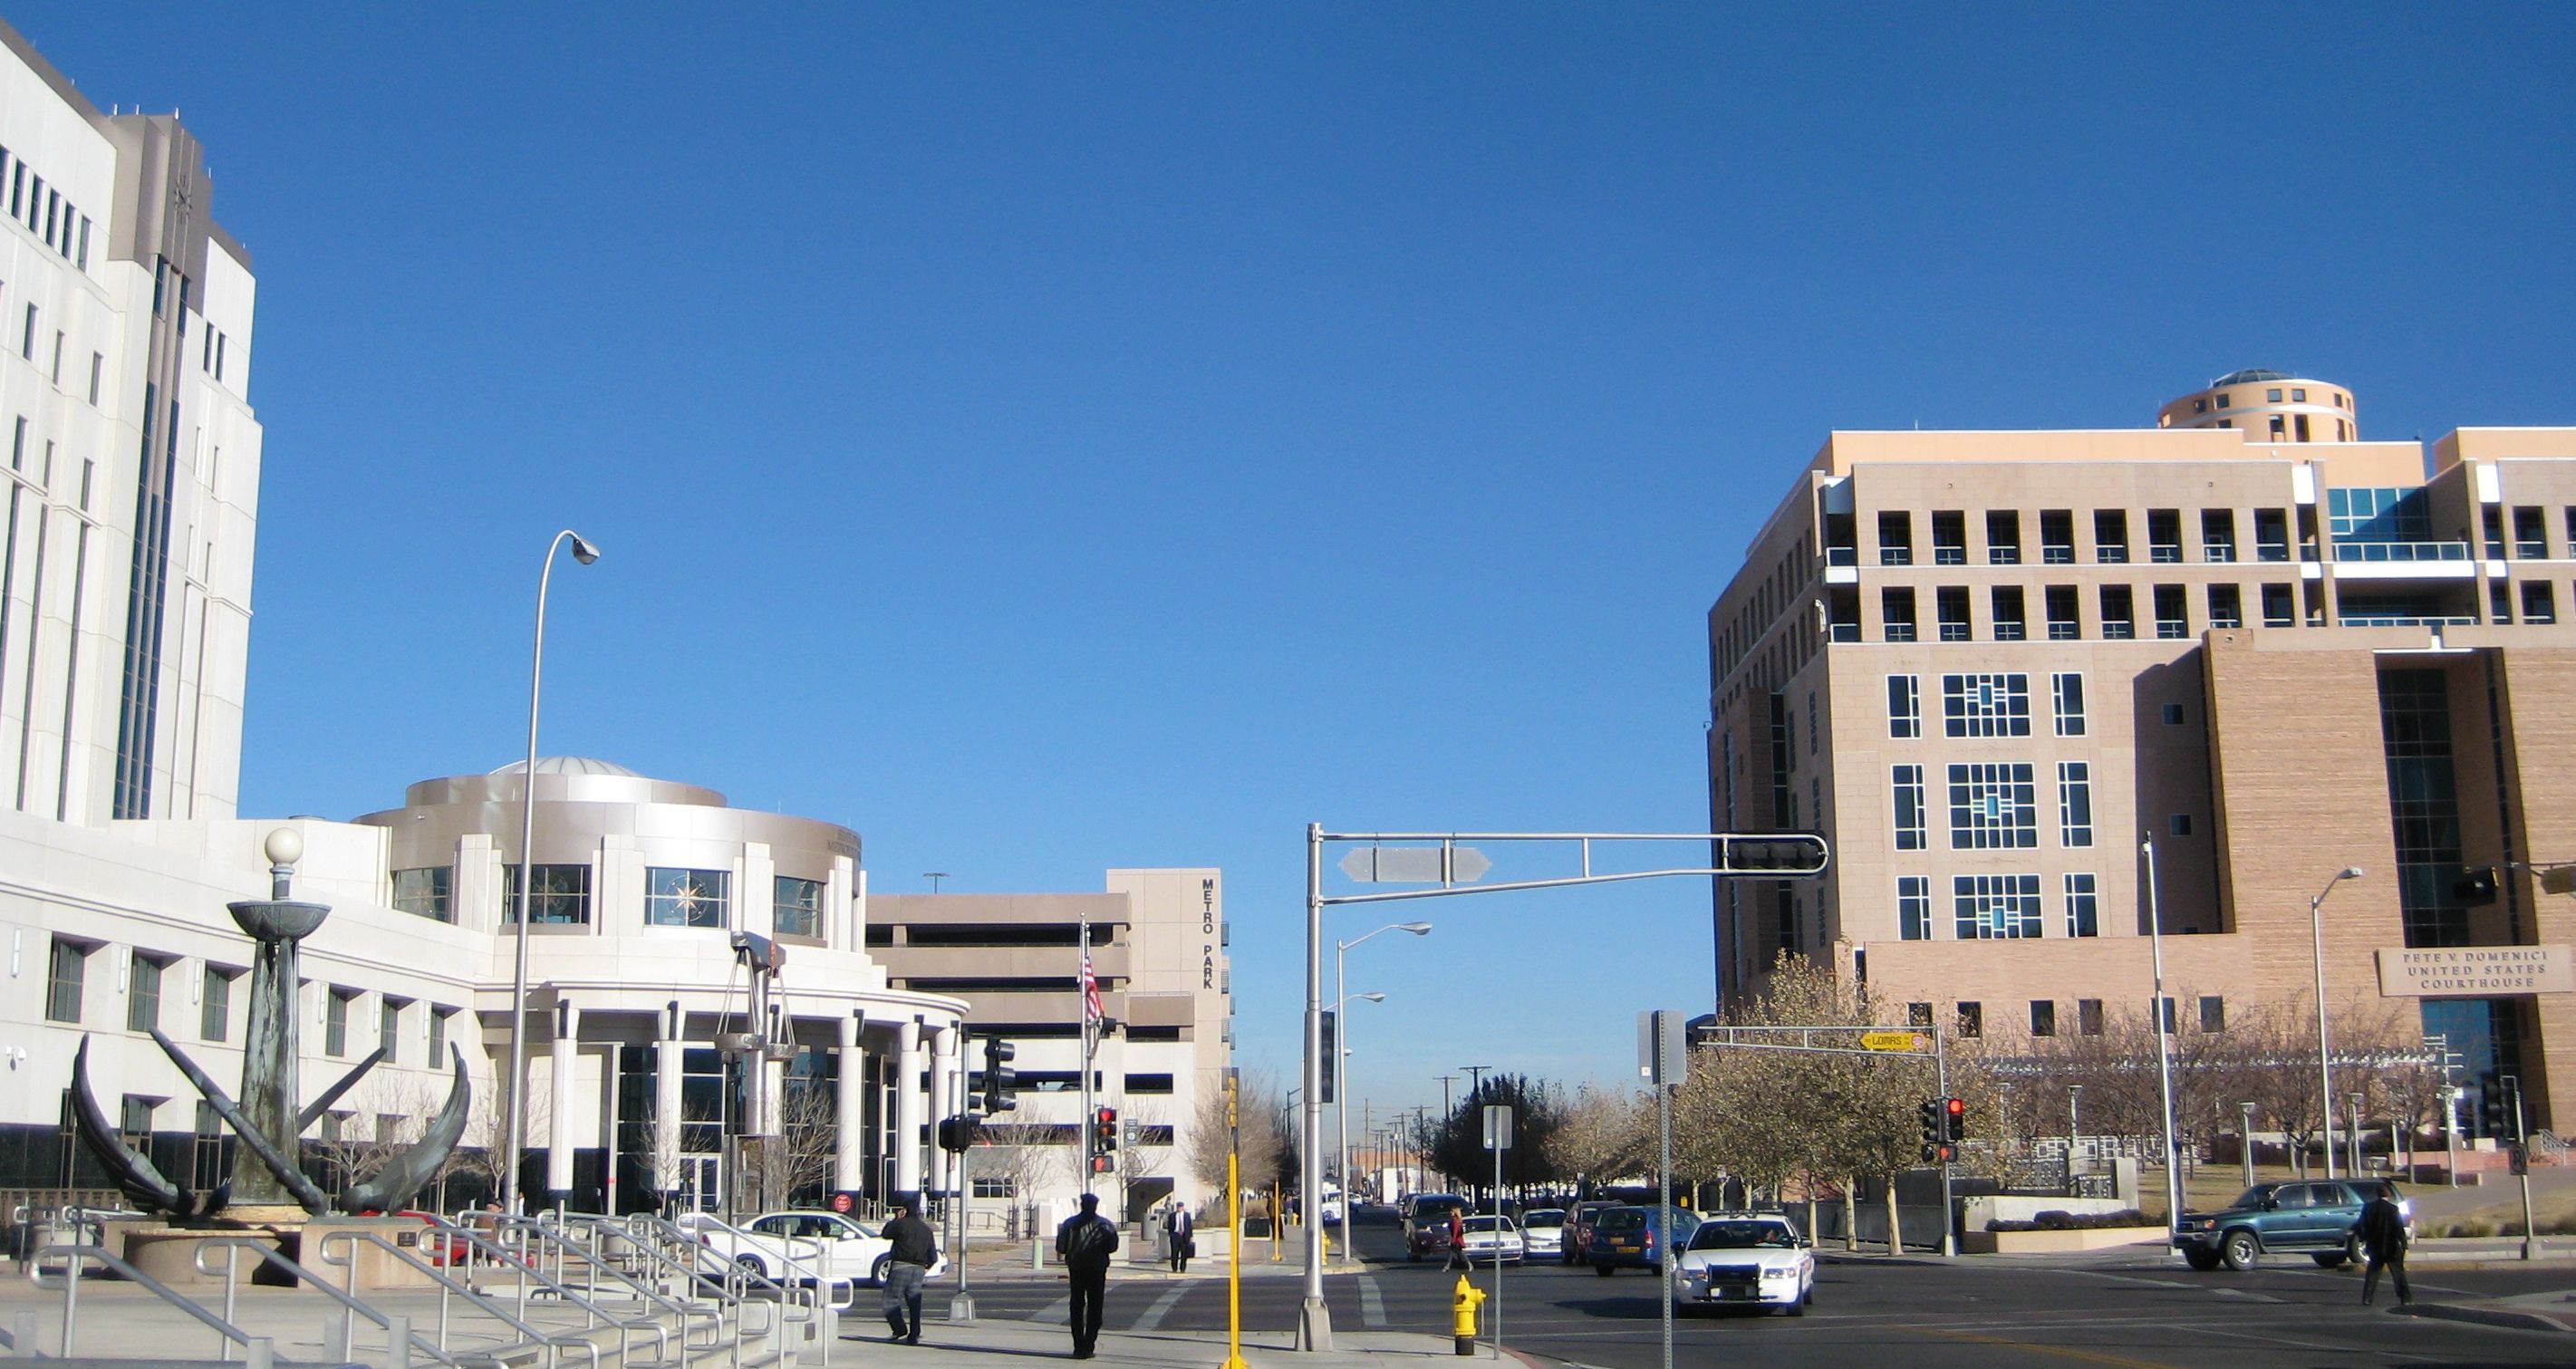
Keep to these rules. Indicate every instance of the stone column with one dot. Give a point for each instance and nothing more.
(667, 1071)
(849, 1147)
(559, 1122)
(908, 1108)
(943, 1102)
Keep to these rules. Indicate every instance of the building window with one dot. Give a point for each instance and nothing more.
(2088, 1016)
(1895, 539)
(1950, 604)
(389, 1029)
(1995, 907)
(684, 898)
(1896, 614)
(428, 892)
(2083, 907)
(2499, 604)
(1972, 1020)
(2063, 625)
(335, 1021)
(1986, 705)
(134, 1119)
(2180, 824)
(1918, 1014)
(2172, 715)
(1949, 538)
(2538, 605)
(2164, 536)
(2218, 535)
(2066, 702)
(2171, 625)
(437, 1036)
(1904, 707)
(2009, 626)
(2003, 537)
(2110, 536)
(69, 963)
(143, 994)
(1993, 807)
(1913, 908)
(2043, 1017)
(97, 374)
(2165, 1011)
(1909, 808)
(559, 895)
(2226, 606)
(796, 908)
(27, 344)
(2119, 616)
(2057, 537)
(2279, 609)
(2075, 803)
(215, 1004)
(2213, 1013)
(2530, 534)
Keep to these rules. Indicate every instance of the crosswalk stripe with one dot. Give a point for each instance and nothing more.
(1057, 1313)
(1372, 1305)
(1161, 1308)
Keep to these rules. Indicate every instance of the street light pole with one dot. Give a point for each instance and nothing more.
(2245, 1139)
(1341, 1042)
(2164, 1046)
(584, 552)
(2325, 1065)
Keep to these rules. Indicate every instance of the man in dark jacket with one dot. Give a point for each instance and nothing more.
(1085, 1242)
(1177, 1233)
(915, 1251)
(2383, 1234)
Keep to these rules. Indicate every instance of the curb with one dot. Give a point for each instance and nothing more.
(2484, 1316)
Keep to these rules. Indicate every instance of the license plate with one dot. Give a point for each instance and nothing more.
(1737, 1293)
(1624, 1248)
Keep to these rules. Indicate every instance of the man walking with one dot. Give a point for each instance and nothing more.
(1176, 1231)
(2383, 1234)
(906, 1266)
(1085, 1242)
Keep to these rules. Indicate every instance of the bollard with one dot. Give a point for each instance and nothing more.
(262, 1354)
(1462, 1314)
(397, 1343)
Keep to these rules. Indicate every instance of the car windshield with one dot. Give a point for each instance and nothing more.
(1726, 1235)
(1489, 1223)
(2253, 1197)
(1546, 1216)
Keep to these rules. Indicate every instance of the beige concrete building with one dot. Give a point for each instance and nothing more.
(1158, 951)
(1989, 665)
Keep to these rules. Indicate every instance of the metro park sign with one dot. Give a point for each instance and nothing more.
(2475, 971)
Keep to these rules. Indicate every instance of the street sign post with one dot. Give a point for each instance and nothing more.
(1663, 1058)
(1914, 1043)
(1498, 1138)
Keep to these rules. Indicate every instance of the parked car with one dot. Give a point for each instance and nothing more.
(849, 1249)
(436, 1245)
(1429, 1212)
(1491, 1237)
(1577, 1241)
(1624, 1238)
(1747, 1260)
(1543, 1232)
(2320, 1217)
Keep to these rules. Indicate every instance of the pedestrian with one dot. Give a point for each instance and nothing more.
(2383, 1235)
(907, 1264)
(1085, 1242)
(1458, 1243)
(1176, 1233)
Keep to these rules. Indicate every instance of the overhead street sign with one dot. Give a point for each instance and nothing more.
(1415, 864)
(1895, 1041)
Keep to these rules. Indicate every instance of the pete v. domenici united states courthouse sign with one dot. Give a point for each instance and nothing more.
(2475, 971)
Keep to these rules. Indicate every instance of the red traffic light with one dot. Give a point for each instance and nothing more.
(1956, 1107)
(1956, 1110)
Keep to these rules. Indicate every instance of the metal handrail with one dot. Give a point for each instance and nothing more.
(558, 1236)
(268, 1254)
(797, 1303)
(228, 1335)
(690, 1272)
(536, 1337)
(822, 1282)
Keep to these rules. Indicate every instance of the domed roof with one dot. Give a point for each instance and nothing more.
(2248, 378)
(568, 765)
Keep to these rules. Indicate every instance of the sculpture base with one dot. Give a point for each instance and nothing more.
(169, 1253)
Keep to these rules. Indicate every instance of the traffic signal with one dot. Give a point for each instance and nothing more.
(1954, 1112)
(2499, 1111)
(2475, 887)
(1935, 1127)
(1775, 853)
(956, 1133)
(1001, 1082)
(1104, 1130)
(1328, 1043)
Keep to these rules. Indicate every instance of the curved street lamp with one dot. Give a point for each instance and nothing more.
(585, 552)
(1341, 1104)
(2325, 1065)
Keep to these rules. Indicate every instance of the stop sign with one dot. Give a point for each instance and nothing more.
(840, 1202)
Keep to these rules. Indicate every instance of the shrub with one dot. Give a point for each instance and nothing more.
(2075, 1221)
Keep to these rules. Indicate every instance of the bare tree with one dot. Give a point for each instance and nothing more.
(1605, 1134)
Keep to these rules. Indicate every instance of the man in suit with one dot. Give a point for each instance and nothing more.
(2383, 1235)
(1085, 1242)
(1176, 1229)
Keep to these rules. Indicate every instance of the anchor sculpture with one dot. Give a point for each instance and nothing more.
(265, 1170)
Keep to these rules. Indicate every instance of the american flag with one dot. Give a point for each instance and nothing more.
(1091, 1010)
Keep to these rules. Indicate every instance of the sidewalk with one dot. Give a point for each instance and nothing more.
(2552, 1311)
(1002, 1344)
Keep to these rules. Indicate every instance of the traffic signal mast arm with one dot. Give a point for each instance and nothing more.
(1766, 855)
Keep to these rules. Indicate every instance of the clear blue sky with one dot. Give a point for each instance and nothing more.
(1048, 437)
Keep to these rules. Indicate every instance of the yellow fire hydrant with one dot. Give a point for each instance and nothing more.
(1462, 1313)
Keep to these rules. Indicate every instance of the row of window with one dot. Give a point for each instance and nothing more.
(2057, 546)
(2009, 619)
(1995, 704)
(45, 212)
(673, 897)
(1996, 907)
(1994, 806)
(1969, 1018)
(66, 982)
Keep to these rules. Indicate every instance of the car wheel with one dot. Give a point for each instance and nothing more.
(1798, 1308)
(877, 1271)
(751, 1265)
(2202, 1260)
(2240, 1251)
(1413, 1256)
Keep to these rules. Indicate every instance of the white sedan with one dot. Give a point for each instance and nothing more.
(1543, 1232)
(1745, 1261)
(1489, 1238)
(781, 1243)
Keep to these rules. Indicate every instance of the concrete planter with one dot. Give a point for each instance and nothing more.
(2054, 1242)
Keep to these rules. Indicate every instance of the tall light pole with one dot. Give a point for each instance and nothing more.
(2245, 1138)
(1342, 1103)
(2325, 1062)
(1341, 1100)
(584, 552)
(2164, 1046)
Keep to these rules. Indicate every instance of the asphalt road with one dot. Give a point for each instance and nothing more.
(2109, 1308)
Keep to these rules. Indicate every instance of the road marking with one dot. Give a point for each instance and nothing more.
(1057, 1313)
(1372, 1306)
(2061, 1351)
(2246, 1294)
(1161, 1308)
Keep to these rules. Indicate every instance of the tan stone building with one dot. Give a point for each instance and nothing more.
(1990, 665)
